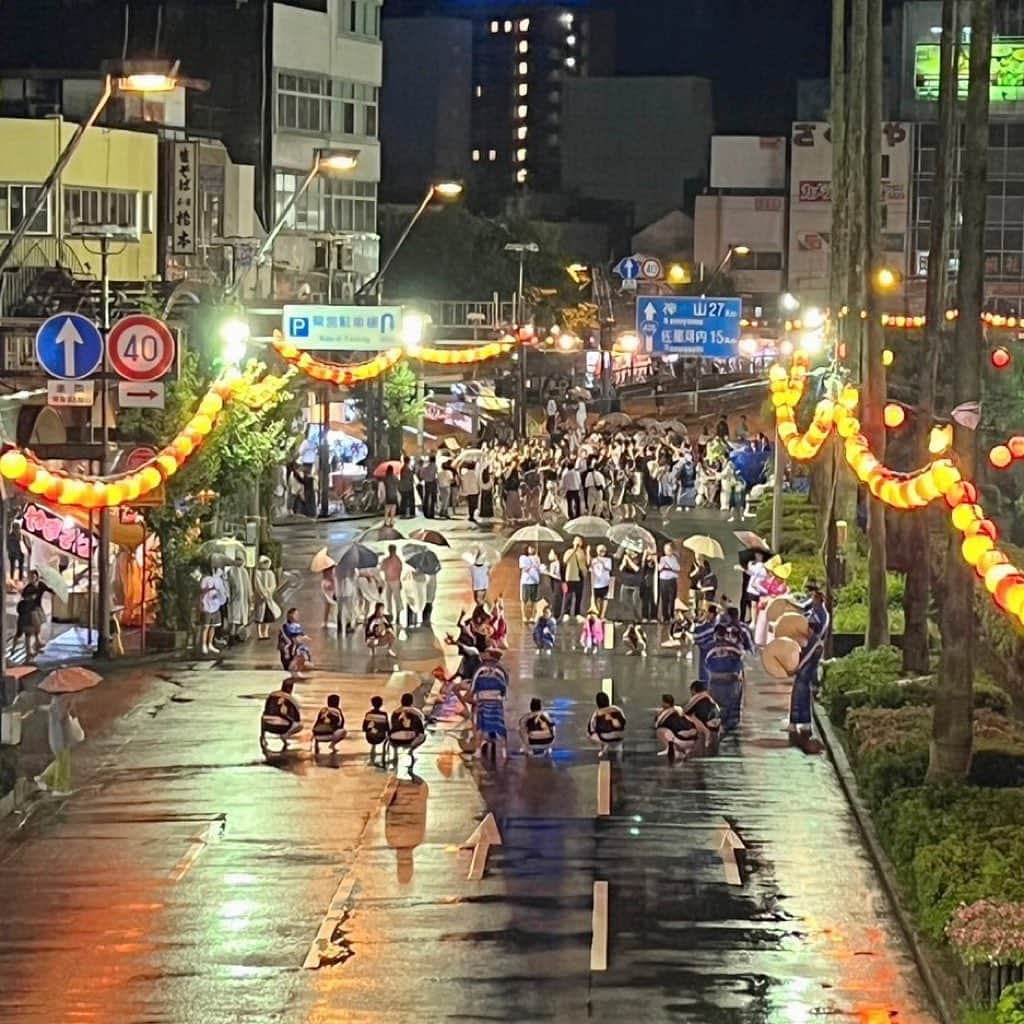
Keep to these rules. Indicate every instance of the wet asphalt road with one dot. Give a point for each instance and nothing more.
(189, 880)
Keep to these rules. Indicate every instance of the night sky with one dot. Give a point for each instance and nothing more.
(753, 50)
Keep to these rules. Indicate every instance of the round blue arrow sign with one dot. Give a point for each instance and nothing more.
(69, 346)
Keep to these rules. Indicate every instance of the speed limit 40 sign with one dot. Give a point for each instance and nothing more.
(140, 348)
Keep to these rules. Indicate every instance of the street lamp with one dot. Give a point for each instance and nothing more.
(437, 190)
(234, 337)
(521, 249)
(323, 160)
(121, 77)
(789, 302)
(732, 250)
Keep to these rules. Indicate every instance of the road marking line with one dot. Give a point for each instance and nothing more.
(729, 845)
(207, 835)
(483, 837)
(604, 789)
(607, 686)
(609, 636)
(335, 912)
(599, 928)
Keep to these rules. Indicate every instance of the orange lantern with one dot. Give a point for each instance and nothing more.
(894, 415)
(71, 492)
(974, 547)
(995, 575)
(168, 464)
(1000, 358)
(211, 405)
(149, 479)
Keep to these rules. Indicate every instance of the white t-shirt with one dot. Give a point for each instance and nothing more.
(529, 570)
(757, 574)
(470, 482)
(668, 567)
(552, 408)
(480, 576)
(600, 571)
(570, 480)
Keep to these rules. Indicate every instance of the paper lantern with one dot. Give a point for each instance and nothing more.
(184, 446)
(973, 548)
(1000, 456)
(149, 479)
(211, 405)
(201, 424)
(946, 475)
(983, 527)
(13, 464)
(71, 492)
(115, 494)
(1000, 358)
(963, 491)
(42, 480)
(168, 464)
(1014, 594)
(887, 357)
(990, 560)
(849, 398)
(964, 515)
(130, 485)
(995, 575)
(894, 415)
(98, 496)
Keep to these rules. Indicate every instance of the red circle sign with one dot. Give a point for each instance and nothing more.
(140, 348)
(138, 457)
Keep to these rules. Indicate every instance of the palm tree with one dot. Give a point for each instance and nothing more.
(952, 734)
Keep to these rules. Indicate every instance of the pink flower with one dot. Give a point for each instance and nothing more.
(988, 932)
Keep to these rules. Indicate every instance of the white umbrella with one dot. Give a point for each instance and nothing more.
(470, 455)
(589, 527)
(614, 421)
(676, 427)
(322, 561)
(633, 537)
(701, 544)
(649, 423)
(486, 552)
(55, 581)
(534, 534)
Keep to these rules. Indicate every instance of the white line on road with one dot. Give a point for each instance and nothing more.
(604, 789)
(483, 837)
(208, 834)
(729, 845)
(599, 928)
(607, 686)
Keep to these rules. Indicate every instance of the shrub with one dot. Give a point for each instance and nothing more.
(914, 818)
(965, 868)
(851, 681)
(988, 931)
(1010, 1009)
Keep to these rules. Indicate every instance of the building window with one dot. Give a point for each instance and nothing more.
(326, 106)
(99, 207)
(524, 89)
(524, 46)
(15, 202)
(508, 26)
(495, 27)
(524, 25)
(522, 110)
(570, 62)
(476, 156)
(524, 68)
(329, 204)
(521, 156)
(479, 91)
(492, 155)
(521, 176)
(359, 18)
(521, 132)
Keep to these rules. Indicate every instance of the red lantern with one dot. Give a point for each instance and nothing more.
(1000, 358)
(1000, 456)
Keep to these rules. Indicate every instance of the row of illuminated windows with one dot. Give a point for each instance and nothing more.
(329, 204)
(360, 18)
(83, 208)
(326, 106)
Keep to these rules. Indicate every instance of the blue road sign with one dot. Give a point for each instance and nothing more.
(628, 269)
(690, 326)
(69, 346)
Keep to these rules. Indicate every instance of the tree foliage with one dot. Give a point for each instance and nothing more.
(402, 406)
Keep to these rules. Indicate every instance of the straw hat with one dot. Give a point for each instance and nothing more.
(780, 657)
(794, 626)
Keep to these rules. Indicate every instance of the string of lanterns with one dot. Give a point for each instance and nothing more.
(348, 374)
(939, 479)
(23, 468)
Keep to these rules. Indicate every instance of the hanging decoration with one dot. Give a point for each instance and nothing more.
(939, 479)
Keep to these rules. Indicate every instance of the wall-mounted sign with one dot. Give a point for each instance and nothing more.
(352, 328)
(184, 209)
(62, 533)
(1006, 75)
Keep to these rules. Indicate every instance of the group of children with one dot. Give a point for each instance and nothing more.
(405, 728)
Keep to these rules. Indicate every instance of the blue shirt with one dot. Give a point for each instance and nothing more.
(724, 659)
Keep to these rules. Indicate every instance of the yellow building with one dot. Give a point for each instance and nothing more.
(110, 181)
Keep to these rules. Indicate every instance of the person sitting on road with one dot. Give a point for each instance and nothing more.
(635, 640)
(379, 631)
(676, 733)
(607, 725)
(544, 632)
(408, 728)
(706, 714)
(281, 715)
(329, 726)
(376, 726)
(537, 730)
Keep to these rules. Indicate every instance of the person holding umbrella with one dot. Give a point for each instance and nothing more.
(64, 731)
(529, 581)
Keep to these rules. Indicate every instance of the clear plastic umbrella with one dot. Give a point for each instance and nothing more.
(633, 537)
(588, 527)
(55, 581)
(534, 534)
(486, 553)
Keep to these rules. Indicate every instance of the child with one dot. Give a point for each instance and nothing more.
(499, 624)
(329, 726)
(537, 730)
(376, 727)
(592, 634)
(293, 645)
(544, 632)
(636, 640)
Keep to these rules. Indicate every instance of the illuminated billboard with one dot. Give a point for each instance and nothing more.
(1006, 79)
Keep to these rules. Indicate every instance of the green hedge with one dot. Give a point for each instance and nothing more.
(1010, 1009)
(874, 679)
(963, 868)
(889, 750)
(911, 819)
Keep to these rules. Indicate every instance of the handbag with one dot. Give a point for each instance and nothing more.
(75, 731)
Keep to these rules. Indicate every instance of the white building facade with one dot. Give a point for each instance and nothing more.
(327, 73)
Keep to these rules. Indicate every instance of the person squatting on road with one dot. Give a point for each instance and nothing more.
(537, 730)
(329, 726)
(676, 731)
(408, 729)
(607, 725)
(376, 727)
(281, 715)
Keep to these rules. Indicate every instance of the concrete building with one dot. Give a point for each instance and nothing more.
(640, 140)
(426, 104)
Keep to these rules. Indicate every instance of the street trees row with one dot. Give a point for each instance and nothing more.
(950, 367)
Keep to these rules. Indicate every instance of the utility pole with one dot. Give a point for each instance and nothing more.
(103, 616)
(521, 249)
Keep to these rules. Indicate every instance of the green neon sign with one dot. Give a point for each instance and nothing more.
(1007, 77)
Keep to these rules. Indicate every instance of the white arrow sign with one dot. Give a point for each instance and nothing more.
(69, 337)
(729, 846)
(483, 837)
(650, 311)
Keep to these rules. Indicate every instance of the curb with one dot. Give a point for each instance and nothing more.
(837, 753)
